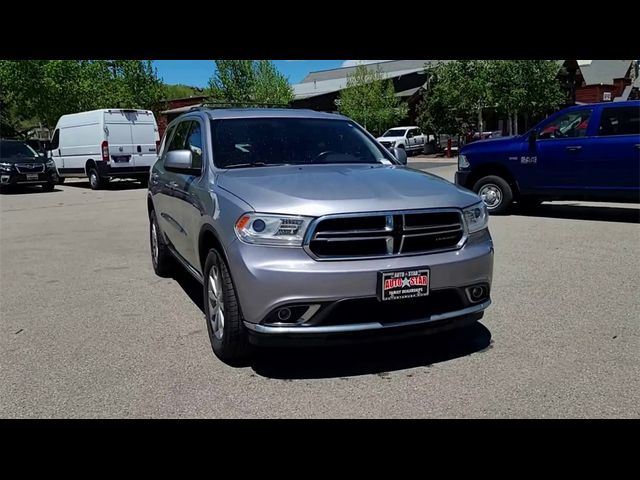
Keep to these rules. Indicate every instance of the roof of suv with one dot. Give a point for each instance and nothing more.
(220, 113)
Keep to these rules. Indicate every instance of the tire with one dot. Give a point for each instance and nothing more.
(144, 181)
(95, 180)
(48, 187)
(496, 193)
(227, 334)
(161, 259)
(60, 180)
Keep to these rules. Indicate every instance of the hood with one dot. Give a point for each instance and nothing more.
(491, 142)
(389, 139)
(316, 190)
(19, 159)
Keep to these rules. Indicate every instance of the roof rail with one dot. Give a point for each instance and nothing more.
(206, 105)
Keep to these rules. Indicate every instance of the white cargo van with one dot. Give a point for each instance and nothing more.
(105, 144)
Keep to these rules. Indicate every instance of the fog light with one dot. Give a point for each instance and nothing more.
(477, 293)
(5, 178)
(284, 314)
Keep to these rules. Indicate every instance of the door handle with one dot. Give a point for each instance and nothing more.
(574, 148)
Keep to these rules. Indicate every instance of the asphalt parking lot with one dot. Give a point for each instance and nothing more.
(89, 331)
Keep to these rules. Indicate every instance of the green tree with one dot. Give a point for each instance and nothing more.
(173, 91)
(370, 100)
(44, 90)
(249, 82)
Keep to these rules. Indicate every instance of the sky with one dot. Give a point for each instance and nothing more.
(197, 72)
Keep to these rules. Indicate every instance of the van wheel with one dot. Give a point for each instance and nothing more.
(144, 181)
(161, 259)
(60, 180)
(495, 193)
(227, 333)
(95, 180)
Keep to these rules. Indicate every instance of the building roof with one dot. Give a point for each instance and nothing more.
(328, 81)
(385, 67)
(604, 71)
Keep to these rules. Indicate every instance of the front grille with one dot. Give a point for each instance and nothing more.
(383, 234)
(30, 167)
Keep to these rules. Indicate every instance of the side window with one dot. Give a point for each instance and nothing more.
(418, 131)
(410, 133)
(620, 121)
(194, 143)
(167, 138)
(570, 125)
(179, 137)
(55, 141)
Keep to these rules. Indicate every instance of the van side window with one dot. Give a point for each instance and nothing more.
(620, 121)
(194, 143)
(55, 142)
(179, 137)
(570, 125)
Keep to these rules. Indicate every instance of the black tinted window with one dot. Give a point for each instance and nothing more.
(55, 141)
(194, 143)
(16, 149)
(179, 137)
(291, 141)
(620, 121)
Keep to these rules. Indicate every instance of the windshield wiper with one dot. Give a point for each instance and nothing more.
(254, 164)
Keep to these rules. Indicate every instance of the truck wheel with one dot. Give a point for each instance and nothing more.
(495, 193)
(161, 259)
(227, 333)
(95, 180)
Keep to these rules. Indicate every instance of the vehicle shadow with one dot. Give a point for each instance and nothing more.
(356, 359)
(18, 190)
(582, 212)
(112, 185)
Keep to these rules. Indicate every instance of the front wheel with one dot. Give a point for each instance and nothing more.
(227, 333)
(60, 180)
(495, 193)
(48, 187)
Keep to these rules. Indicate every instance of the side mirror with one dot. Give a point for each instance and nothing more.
(180, 161)
(533, 136)
(401, 155)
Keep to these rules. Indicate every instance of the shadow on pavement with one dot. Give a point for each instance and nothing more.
(22, 189)
(582, 212)
(112, 185)
(358, 358)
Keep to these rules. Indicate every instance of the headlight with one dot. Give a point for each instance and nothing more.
(462, 162)
(267, 229)
(476, 217)
(6, 167)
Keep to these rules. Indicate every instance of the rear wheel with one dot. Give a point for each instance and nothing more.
(495, 193)
(61, 180)
(227, 333)
(95, 180)
(144, 181)
(163, 263)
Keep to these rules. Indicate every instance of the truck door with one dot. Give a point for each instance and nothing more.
(562, 154)
(615, 163)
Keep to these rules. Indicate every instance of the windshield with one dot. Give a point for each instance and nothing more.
(298, 141)
(395, 132)
(16, 149)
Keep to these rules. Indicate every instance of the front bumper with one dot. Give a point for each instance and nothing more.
(462, 178)
(15, 178)
(269, 278)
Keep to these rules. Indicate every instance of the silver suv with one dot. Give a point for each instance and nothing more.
(302, 228)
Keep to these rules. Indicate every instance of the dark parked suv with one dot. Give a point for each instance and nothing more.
(302, 228)
(22, 165)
